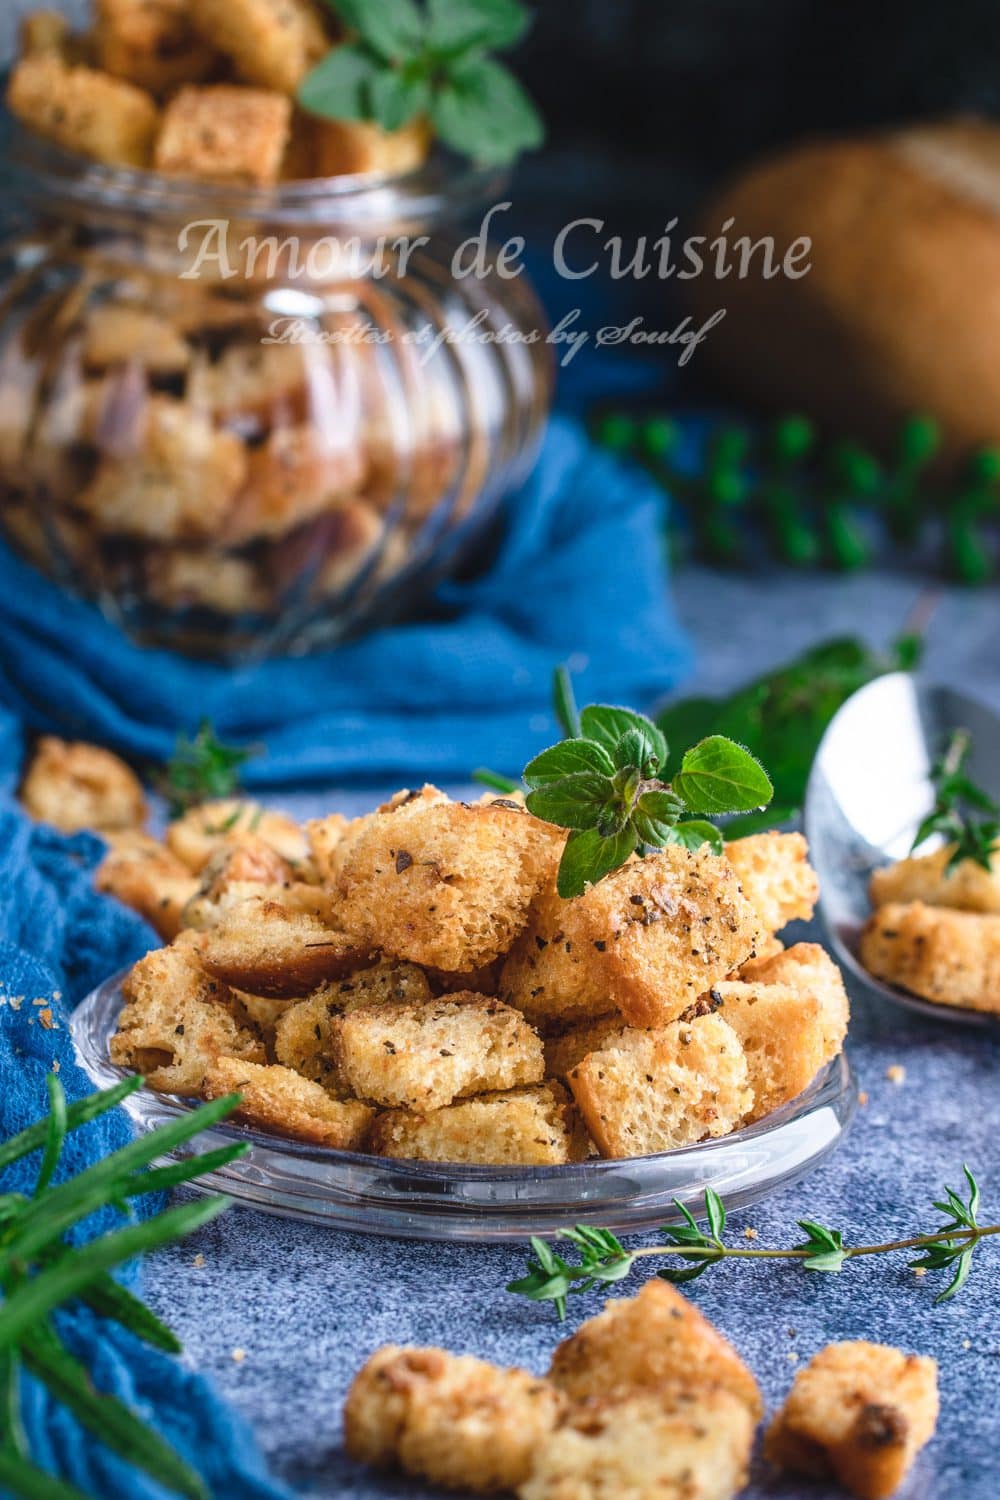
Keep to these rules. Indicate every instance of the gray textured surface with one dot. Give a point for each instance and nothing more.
(307, 1305)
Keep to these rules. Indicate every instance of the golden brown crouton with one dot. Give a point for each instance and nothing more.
(950, 957)
(273, 43)
(651, 1091)
(563, 1052)
(44, 31)
(83, 110)
(211, 826)
(424, 1056)
(671, 1444)
(652, 1340)
(529, 1127)
(791, 1016)
(271, 948)
(331, 838)
(221, 133)
(968, 887)
(649, 939)
(340, 147)
(254, 387)
(235, 872)
(280, 1100)
(182, 577)
(776, 876)
(151, 43)
(860, 1412)
(117, 332)
(74, 785)
(176, 1021)
(444, 884)
(302, 1038)
(448, 1418)
(144, 875)
(296, 475)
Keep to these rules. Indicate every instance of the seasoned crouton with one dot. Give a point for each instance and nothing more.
(274, 948)
(273, 43)
(280, 1100)
(221, 133)
(424, 1056)
(260, 1014)
(563, 1052)
(331, 838)
(776, 876)
(340, 147)
(83, 110)
(117, 332)
(143, 874)
(791, 1015)
(254, 387)
(652, 1340)
(674, 1444)
(297, 474)
(302, 1038)
(74, 785)
(528, 1127)
(176, 1021)
(448, 1418)
(210, 826)
(235, 872)
(151, 43)
(860, 1412)
(950, 957)
(968, 887)
(649, 939)
(444, 884)
(651, 1091)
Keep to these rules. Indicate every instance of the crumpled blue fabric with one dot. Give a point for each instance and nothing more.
(579, 576)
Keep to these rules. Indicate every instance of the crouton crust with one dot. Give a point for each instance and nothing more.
(860, 1411)
(522, 1127)
(422, 1056)
(926, 878)
(674, 1443)
(74, 786)
(776, 877)
(950, 957)
(650, 1091)
(220, 133)
(210, 826)
(302, 1038)
(271, 948)
(451, 1419)
(652, 1340)
(84, 110)
(280, 1100)
(145, 876)
(273, 43)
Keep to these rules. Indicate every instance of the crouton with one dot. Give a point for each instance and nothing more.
(341, 147)
(116, 332)
(482, 981)
(353, 538)
(44, 31)
(860, 1412)
(178, 484)
(651, 1091)
(423, 1056)
(294, 476)
(649, 939)
(302, 1038)
(279, 1100)
(271, 948)
(187, 577)
(273, 43)
(448, 1418)
(331, 837)
(210, 826)
(950, 957)
(145, 876)
(255, 386)
(528, 1127)
(444, 884)
(74, 785)
(235, 872)
(260, 1014)
(82, 110)
(220, 133)
(151, 43)
(652, 1340)
(674, 1444)
(776, 876)
(791, 1016)
(927, 878)
(176, 1021)
(563, 1052)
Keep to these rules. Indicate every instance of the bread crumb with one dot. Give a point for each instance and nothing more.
(966, 1343)
(239, 1355)
(199, 1260)
(45, 1016)
(792, 1357)
(863, 1098)
(749, 1234)
(920, 1270)
(896, 1074)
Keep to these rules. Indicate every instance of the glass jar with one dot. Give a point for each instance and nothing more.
(245, 421)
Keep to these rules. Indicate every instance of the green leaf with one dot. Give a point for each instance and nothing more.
(581, 800)
(974, 1194)
(636, 749)
(392, 28)
(719, 776)
(564, 704)
(483, 112)
(825, 1260)
(340, 86)
(677, 1275)
(959, 1279)
(654, 817)
(694, 833)
(23, 1479)
(715, 1212)
(397, 99)
(495, 781)
(565, 759)
(58, 1126)
(607, 724)
(457, 26)
(111, 1300)
(588, 857)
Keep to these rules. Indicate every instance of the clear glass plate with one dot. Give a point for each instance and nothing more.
(431, 1201)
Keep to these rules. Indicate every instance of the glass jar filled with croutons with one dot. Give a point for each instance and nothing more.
(257, 390)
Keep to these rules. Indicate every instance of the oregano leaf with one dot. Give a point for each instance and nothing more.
(719, 776)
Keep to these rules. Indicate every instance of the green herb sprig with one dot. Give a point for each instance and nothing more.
(967, 817)
(202, 769)
(404, 60)
(603, 1259)
(40, 1273)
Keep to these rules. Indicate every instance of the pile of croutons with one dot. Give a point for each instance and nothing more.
(410, 983)
(646, 1401)
(197, 88)
(935, 930)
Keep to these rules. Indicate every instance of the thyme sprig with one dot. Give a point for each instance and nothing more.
(202, 769)
(967, 817)
(603, 1259)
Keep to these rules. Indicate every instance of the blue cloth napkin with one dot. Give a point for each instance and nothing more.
(579, 575)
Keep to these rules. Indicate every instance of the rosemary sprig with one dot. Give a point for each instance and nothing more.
(40, 1273)
(202, 769)
(966, 816)
(603, 1259)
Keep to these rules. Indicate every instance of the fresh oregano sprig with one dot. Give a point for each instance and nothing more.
(403, 61)
(202, 769)
(967, 817)
(603, 1259)
(40, 1273)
